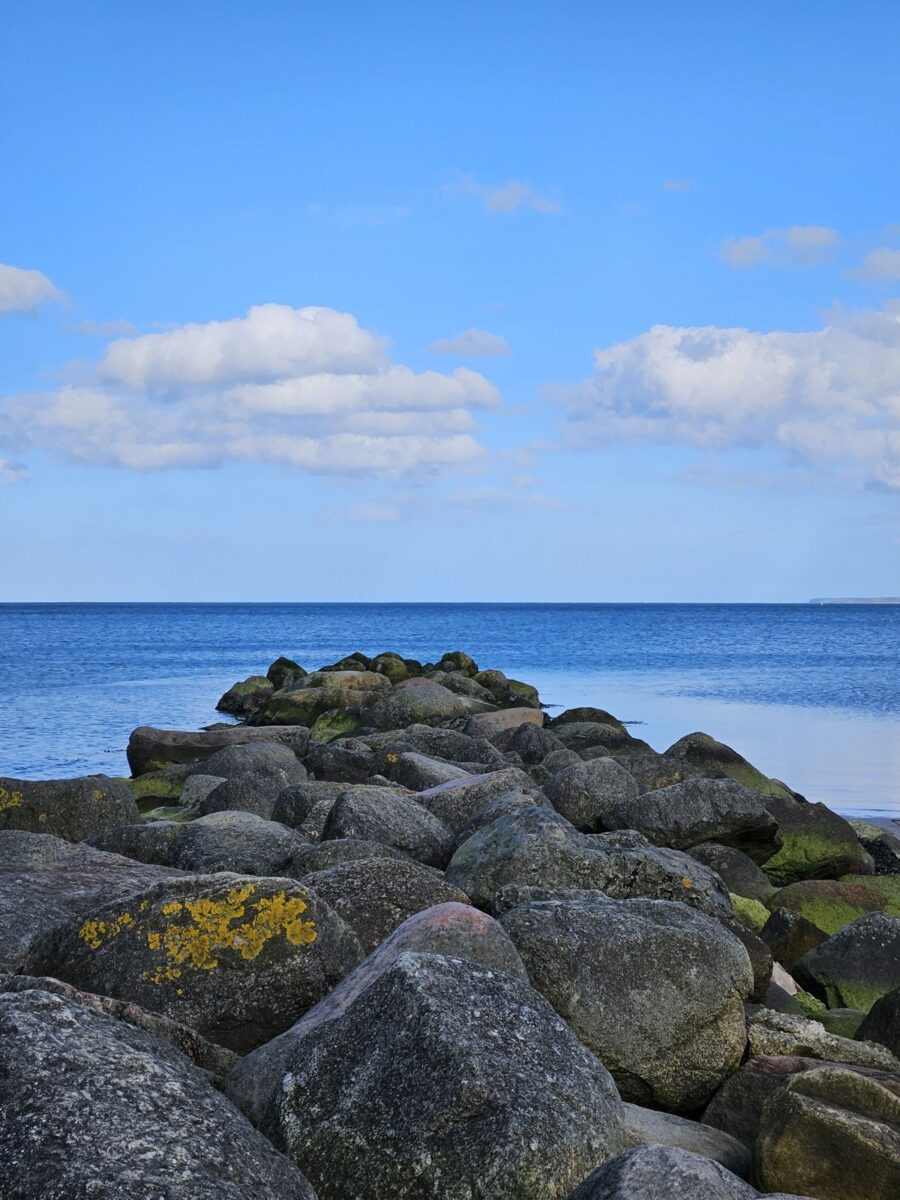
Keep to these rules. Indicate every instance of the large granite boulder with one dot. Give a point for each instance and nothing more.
(295, 803)
(375, 895)
(417, 702)
(383, 815)
(45, 880)
(343, 759)
(700, 810)
(453, 930)
(665, 1173)
(585, 793)
(254, 776)
(833, 903)
(538, 847)
(92, 1106)
(832, 1133)
(68, 808)
(654, 988)
(452, 745)
(243, 697)
(418, 772)
(458, 801)
(738, 871)
(855, 966)
(237, 958)
(322, 856)
(582, 736)
(815, 843)
(283, 669)
(650, 1127)
(651, 771)
(493, 725)
(716, 760)
(882, 1022)
(447, 1079)
(152, 749)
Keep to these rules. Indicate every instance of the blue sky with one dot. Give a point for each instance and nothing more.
(579, 301)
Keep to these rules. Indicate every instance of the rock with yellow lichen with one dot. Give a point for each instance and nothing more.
(69, 808)
(237, 958)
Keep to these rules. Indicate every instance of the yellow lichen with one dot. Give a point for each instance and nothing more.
(95, 933)
(687, 882)
(9, 799)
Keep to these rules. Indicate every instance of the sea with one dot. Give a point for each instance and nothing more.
(809, 693)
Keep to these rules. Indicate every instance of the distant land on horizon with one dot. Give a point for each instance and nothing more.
(856, 600)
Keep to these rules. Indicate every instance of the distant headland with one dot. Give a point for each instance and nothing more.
(855, 600)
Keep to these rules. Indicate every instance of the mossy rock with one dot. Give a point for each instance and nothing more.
(495, 682)
(809, 1004)
(242, 698)
(815, 843)
(148, 790)
(833, 903)
(169, 814)
(715, 758)
(334, 724)
(842, 1022)
(280, 669)
(524, 693)
(752, 914)
(391, 665)
(458, 660)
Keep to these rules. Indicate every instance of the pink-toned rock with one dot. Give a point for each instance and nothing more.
(487, 725)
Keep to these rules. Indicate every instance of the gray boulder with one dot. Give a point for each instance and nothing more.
(739, 872)
(653, 771)
(347, 760)
(322, 856)
(700, 810)
(294, 804)
(418, 772)
(665, 1173)
(283, 669)
(416, 702)
(779, 1033)
(655, 989)
(585, 793)
(492, 725)
(68, 808)
(649, 1127)
(509, 803)
(789, 936)
(45, 880)
(716, 761)
(508, 1106)
(833, 1133)
(92, 1106)
(531, 742)
(583, 735)
(816, 843)
(452, 930)
(537, 846)
(237, 958)
(855, 966)
(459, 800)
(375, 895)
(451, 745)
(254, 777)
(152, 749)
(383, 815)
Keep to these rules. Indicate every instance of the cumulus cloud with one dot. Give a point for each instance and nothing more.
(11, 472)
(22, 291)
(831, 396)
(880, 264)
(307, 388)
(473, 343)
(796, 246)
(509, 196)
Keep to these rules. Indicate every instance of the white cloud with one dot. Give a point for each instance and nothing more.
(306, 388)
(831, 396)
(509, 196)
(473, 343)
(11, 472)
(23, 291)
(678, 185)
(796, 246)
(106, 329)
(880, 264)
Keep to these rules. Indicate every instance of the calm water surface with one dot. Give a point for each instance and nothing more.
(809, 694)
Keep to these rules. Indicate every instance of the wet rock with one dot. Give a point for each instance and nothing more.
(203, 1054)
(855, 966)
(653, 988)
(776, 1033)
(92, 1106)
(383, 815)
(830, 904)
(737, 1106)
(882, 1024)
(432, 1101)
(647, 1127)
(815, 843)
(242, 698)
(539, 847)
(585, 793)
(453, 930)
(68, 808)
(45, 880)
(376, 895)
(665, 1173)
(700, 810)
(739, 872)
(152, 749)
(238, 958)
(458, 801)
(832, 1133)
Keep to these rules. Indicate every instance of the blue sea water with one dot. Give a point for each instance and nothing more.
(808, 693)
